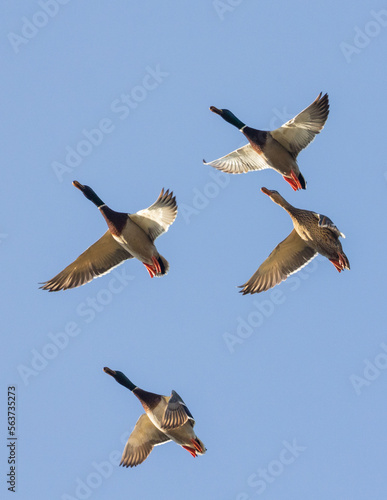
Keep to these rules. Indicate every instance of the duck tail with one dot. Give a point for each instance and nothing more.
(302, 180)
(344, 261)
(164, 266)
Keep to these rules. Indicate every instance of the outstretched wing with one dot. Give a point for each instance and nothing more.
(100, 258)
(176, 413)
(324, 221)
(240, 161)
(300, 131)
(287, 258)
(141, 442)
(156, 219)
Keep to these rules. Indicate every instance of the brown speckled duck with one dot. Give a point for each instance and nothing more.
(165, 419)
(277, 149)
(313, 233)
(128, 236)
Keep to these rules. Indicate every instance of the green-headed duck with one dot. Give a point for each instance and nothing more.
(276, 149)
(165, 419)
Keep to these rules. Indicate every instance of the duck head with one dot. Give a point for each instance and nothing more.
(120, 378)
(228, 116)
(89, 193)
(275, 196)
(269, 192)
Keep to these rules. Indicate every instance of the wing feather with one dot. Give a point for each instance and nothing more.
(324, 221)
(300, 131)
(156, 219)
(100, 258)
(141, 442)
(176, 413)
(287, 258)
(240, 161)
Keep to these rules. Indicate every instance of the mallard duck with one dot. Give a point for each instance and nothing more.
(128, 236)
(276, 149)
(165, 419)
(313, 233)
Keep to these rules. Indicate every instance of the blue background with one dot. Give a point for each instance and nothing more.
(296, 370)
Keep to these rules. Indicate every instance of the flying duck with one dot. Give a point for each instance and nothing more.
(128, 236)
(313, 233)
(165, 419)
(276, 149)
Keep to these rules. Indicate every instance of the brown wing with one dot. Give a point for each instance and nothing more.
(176, 413)
(98, 259)
(141, 442)
(288, 257)
(300, 131)
(324, 221)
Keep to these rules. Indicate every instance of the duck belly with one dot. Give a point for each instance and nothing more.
(182, 435)
(137, 242)
(279, 158)
(330, 248)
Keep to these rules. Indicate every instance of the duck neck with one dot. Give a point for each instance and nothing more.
(284, 204)
(115, 220)
(93, 197)
(149, 400)
(231, 118)
(126, 383)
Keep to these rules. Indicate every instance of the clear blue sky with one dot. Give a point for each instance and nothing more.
(287, 412)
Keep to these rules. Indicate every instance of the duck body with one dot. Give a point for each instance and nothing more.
(138, 244)
(313, 233)
(323, 239)
(155, 407)
(272, 152)
(165, 419)
(128, 236)
(277, 149)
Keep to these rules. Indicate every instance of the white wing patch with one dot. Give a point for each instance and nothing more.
(240, 161)
(156, 219)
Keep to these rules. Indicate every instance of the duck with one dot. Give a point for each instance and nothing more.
(128, 236)
(313, 233)
(165, 419)
(277, 149)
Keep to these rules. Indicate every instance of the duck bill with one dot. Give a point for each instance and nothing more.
(266, 191)
(110, 372)
(215, 110)
(78, 185)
